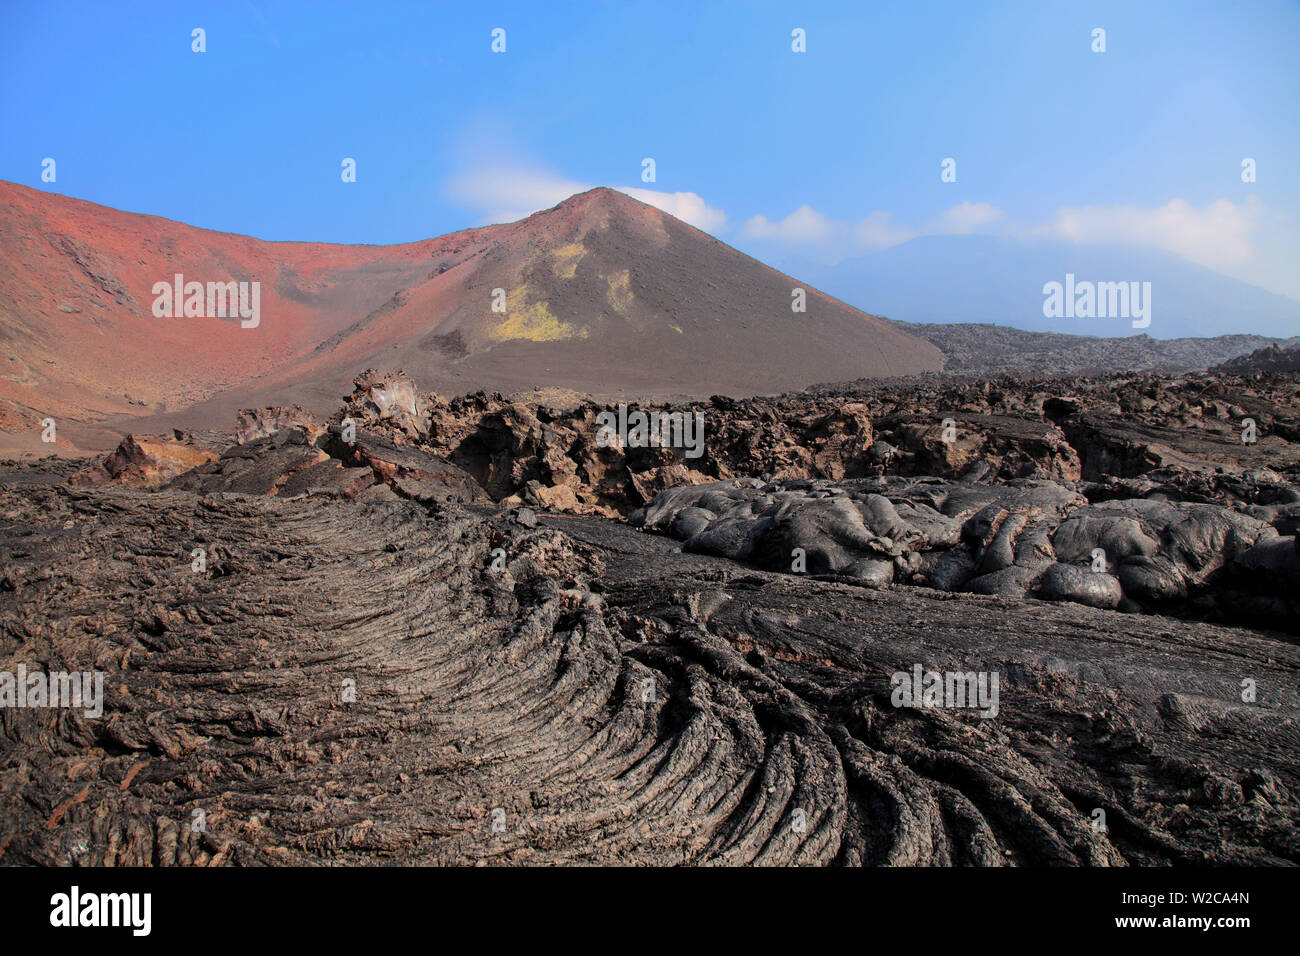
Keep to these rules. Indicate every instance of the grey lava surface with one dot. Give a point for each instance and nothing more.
(601, 698)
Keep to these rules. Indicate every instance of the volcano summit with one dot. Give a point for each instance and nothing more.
(601, 294)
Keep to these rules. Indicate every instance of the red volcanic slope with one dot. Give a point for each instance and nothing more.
(603, 294)
(76, 321)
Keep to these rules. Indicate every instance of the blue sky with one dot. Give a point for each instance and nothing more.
(825, 154)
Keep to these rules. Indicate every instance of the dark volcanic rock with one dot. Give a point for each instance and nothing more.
(1271, 358)
(412, 472)
(353, 682)
(1009, 540)
(340, 664)
(999, 350)
(141, 460)
(1163, 480)
(328, 478)
(254, 423)
(392, 399)
(1069, 582)
(261, 467)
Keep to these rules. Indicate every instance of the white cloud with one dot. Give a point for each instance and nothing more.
(878, 231)
(506, 193)
(1243, 240)
(803, 225)
(965, 218)
(1213, 235)
(808, 228)
(688, 207)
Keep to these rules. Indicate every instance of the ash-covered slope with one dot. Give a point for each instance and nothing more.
(79, 337)
(602, 294)
(607, 295)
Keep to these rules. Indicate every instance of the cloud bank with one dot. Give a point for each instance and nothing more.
(1214, 235)
(808, 227)
(1217, 235)
(1221, 235)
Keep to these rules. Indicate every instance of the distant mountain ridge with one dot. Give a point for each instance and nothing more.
(983, 279)
(1001, 350)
